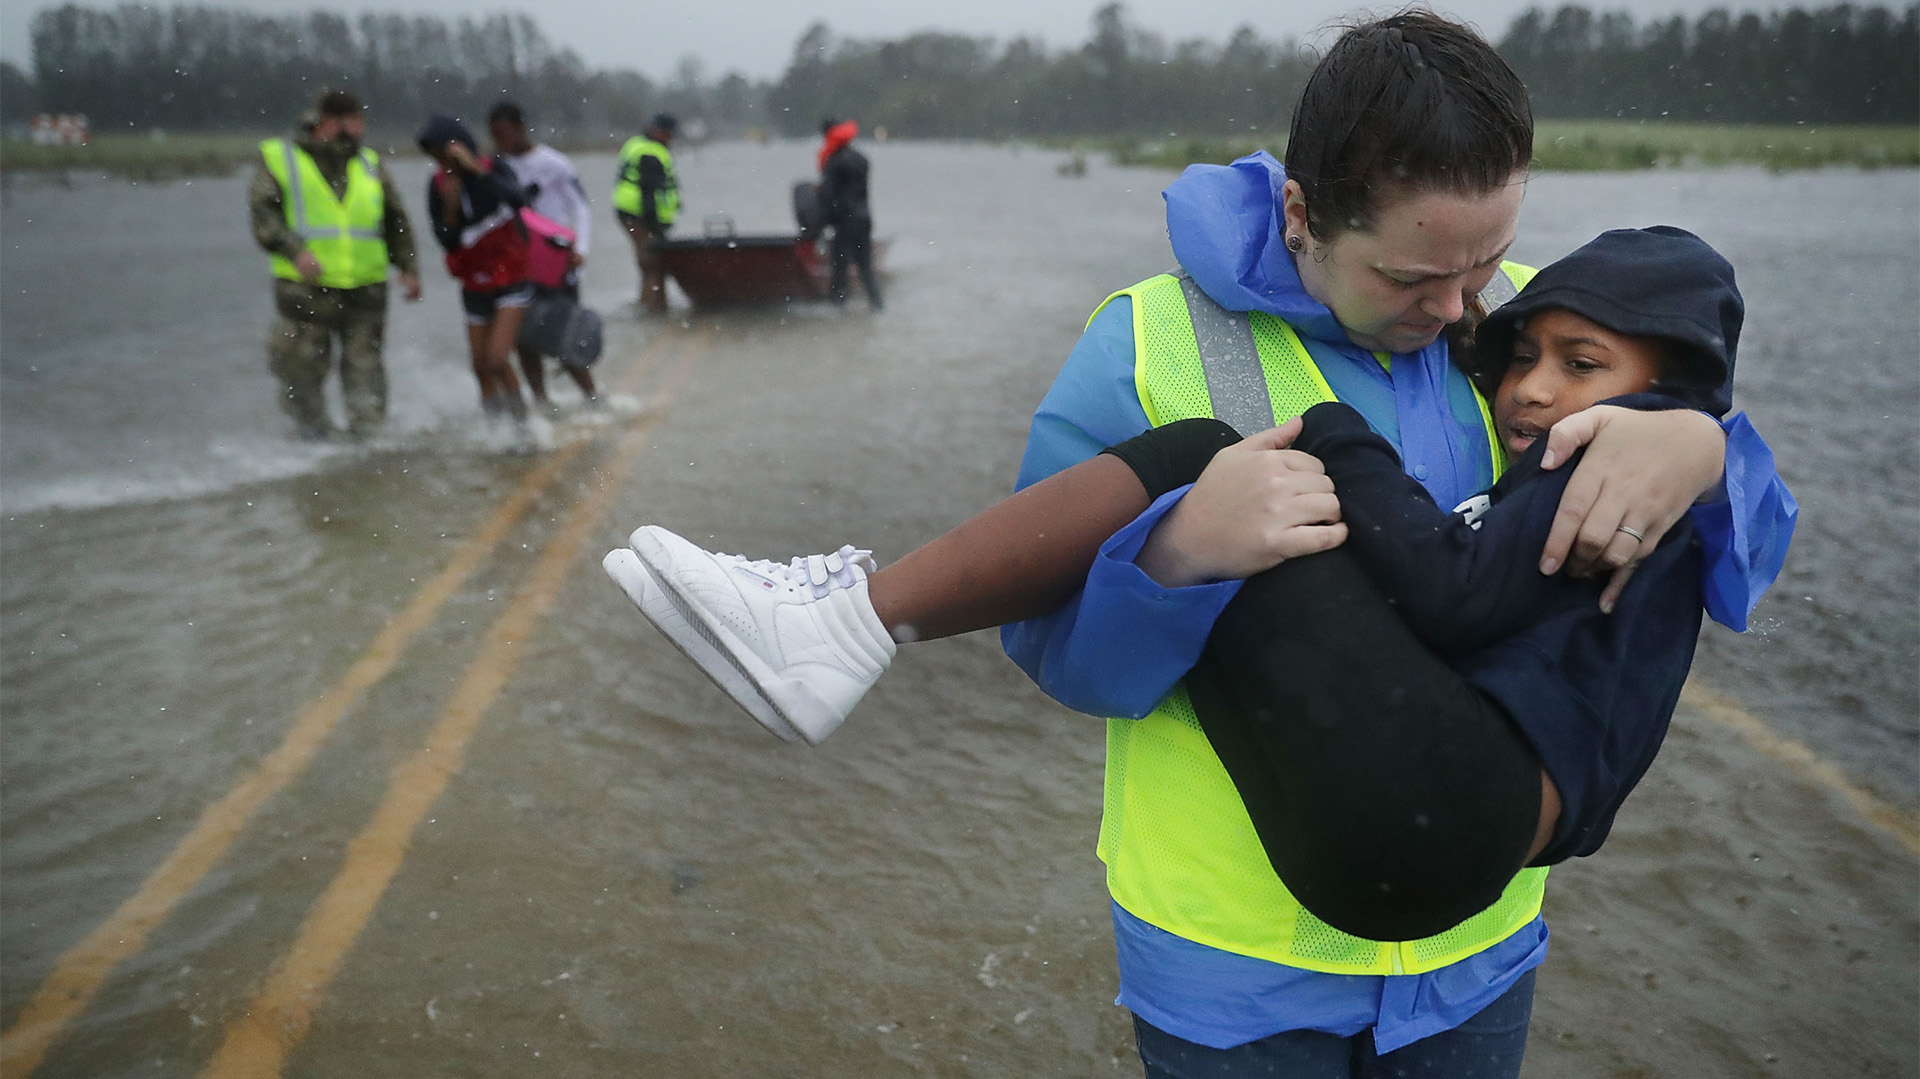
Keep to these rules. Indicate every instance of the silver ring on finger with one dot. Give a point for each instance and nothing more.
(1637, 535)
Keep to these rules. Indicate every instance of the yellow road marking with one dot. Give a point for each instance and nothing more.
(78, 974)
(257, 1042)
(1724, 710)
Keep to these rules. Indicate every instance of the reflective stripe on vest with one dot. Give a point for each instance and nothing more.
(626, 190)
(347, 236)
(1180, 850)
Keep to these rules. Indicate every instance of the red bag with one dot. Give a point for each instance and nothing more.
(497, 260)
(497, 257)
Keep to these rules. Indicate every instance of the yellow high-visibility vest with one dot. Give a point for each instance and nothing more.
(1181, 852)
(626, 190)
(347, 235)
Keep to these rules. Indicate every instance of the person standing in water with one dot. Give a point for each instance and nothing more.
(646, 199)
(326, 213)
(475, 209)
(843, 203)
(553, 190)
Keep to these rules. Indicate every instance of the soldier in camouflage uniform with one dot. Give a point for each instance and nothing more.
(325, 211)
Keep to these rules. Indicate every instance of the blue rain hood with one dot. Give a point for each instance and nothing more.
(1225, 225)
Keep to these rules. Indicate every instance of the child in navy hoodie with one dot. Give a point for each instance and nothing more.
(1410, 718)
(474, 205)
(1426, 671)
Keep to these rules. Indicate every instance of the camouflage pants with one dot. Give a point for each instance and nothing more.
(299, 351)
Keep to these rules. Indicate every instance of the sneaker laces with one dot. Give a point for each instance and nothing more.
(818, 573)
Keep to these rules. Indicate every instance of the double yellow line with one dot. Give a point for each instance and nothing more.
(256, 1042)
(1902, 827)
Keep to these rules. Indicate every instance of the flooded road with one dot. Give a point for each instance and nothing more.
(331, 762)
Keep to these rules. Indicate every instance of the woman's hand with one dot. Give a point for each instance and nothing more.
(1257, 504)
(1641, 473)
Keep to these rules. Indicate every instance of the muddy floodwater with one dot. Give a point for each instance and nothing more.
(347, 761)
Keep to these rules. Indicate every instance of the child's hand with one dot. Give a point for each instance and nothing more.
(462, 157)
(1256, 505)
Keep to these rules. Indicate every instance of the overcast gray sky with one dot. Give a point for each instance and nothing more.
(756, 37)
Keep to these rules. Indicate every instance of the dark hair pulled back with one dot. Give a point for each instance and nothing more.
(1412, 102)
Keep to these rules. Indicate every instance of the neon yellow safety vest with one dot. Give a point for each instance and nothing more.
(1180, 850)
(626, 190)
(347, 236)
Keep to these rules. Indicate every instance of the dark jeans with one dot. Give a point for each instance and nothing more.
(1488, 1046)
(853, 243)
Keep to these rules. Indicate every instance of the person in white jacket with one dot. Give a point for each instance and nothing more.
(554, 192)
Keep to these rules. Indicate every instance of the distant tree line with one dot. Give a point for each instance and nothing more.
(1840, 64)
(1122, 80)
(199, 68)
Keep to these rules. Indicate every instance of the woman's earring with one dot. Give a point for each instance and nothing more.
(1294, 242)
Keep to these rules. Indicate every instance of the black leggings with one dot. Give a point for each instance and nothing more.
(1394, 799)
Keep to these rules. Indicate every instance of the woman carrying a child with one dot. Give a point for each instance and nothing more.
(1333, 278)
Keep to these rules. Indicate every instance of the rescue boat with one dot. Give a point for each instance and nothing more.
(725, 268)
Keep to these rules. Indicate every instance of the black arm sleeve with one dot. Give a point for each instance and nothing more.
(447, 235)
(1459, 588)
(1173, 455)
(653, 177)
(830, 191)
(482, 194)
(499, 185)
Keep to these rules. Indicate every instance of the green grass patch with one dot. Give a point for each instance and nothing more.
(143, 157)
(1605, 146)
(137, 157)
(1616, 145)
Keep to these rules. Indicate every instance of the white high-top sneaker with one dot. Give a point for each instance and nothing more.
(624, 567)
(796, 645)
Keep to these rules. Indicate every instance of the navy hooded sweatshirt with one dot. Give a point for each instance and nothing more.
(488, 199)
(1593, 693)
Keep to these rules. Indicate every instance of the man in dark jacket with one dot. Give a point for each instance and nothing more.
(329, 280)
(843, 200)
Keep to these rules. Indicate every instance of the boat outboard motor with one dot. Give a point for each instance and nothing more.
(807, 209)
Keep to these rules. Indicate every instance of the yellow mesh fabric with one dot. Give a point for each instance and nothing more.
(1518, 273)
(1168, 352)
(1517, 906)
(1294, 382)
(346, 262)
(1180, 851)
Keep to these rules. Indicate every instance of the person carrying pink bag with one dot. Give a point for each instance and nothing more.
(559, 223)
